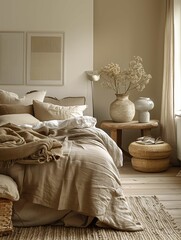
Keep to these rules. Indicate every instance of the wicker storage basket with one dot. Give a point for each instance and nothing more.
(150, 158)
(6, 225)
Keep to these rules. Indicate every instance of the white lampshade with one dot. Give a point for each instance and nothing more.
(93, 75)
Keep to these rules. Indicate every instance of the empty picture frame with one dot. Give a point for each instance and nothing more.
(12, 55)
(45, 53)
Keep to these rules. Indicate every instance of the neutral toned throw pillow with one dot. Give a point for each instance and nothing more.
(18, 119)
(48, 111)
(8, 188)
(15, 108)
(12, 98)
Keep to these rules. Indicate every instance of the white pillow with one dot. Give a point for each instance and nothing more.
(77, 122)
(18, 119)
(8, 188)
(48, 111)
(13, 98)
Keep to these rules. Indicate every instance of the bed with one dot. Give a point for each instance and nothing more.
(66, 169)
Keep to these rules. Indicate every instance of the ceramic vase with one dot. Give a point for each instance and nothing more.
(122, 109)
(143, 105)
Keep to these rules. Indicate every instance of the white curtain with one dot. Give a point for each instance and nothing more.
(168, 128)
(177, 55)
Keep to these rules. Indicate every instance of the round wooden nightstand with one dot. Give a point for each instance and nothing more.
(116, 129)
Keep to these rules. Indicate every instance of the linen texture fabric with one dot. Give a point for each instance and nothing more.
(8, 188)
(19, 119)
(15, 109)
(47, 111)
(12, 98)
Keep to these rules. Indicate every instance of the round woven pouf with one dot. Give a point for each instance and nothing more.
(150, 158)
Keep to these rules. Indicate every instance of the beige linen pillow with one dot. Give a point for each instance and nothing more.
(18, 119)
(8, 188)
(48, 111)
(15, 108)
(13, 98)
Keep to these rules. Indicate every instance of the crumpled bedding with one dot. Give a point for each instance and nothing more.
(27, 146)
(85, 181)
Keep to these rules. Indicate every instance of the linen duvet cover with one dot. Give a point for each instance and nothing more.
(67, 172)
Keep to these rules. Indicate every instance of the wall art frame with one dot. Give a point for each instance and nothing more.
(12, 57)
(45, 58)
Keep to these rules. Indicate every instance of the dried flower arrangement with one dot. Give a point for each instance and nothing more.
(122, 82)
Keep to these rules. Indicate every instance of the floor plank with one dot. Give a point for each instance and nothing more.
(169, 197)
(148, 180)
(154, 186)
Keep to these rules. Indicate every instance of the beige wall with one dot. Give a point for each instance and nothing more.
(123, 29)
(75, 19)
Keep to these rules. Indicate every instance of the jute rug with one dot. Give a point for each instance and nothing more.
(148, 210)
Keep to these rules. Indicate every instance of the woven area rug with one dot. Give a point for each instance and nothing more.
(149, 211)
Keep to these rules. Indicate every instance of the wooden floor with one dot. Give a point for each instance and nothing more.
(165, 185)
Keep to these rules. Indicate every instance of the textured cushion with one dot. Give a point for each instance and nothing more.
(13, 98)
(18, 119)
(48, 111)
(8, 188)
(15, 108)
